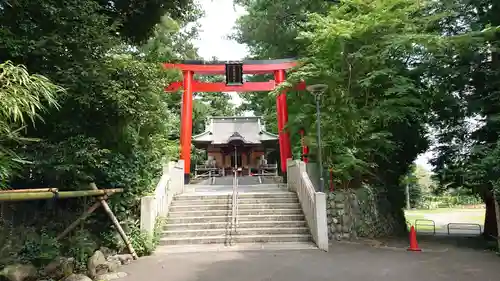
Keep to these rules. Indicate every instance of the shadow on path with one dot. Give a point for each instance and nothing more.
(443, 241)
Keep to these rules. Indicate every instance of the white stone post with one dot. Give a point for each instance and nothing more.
(148, 214)
(321, 221)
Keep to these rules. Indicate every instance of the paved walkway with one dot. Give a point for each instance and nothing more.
(344, 262)
(245, 184)
(242, 180)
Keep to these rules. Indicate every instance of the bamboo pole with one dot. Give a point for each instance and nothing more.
(24, 196)
(32, 190)
(81, 218)
(116, 223)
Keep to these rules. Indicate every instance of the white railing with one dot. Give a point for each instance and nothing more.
(234, 203)
(157, 205)
(313, 203)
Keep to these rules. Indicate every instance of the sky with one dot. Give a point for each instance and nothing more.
(214, 31)
(216, 25)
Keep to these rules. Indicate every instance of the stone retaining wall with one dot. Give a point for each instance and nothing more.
(359, 213)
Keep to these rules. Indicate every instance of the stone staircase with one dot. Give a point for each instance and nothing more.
(268, 215)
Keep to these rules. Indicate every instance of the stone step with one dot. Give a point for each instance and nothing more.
(212, 213)
(228, 191)
(240, 206)
(295, 205)
(221, 239)
(197, 196)
(241, 218)
(209, 207)
(240, 231)
(268, 200)
(270, 246)
(242, 224)
(220, 201)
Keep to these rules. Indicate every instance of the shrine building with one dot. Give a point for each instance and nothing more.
(236, 142)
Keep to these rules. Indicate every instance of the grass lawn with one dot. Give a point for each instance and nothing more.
(444, 216)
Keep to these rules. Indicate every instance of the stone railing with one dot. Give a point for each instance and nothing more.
(313, 203)
(156, 205)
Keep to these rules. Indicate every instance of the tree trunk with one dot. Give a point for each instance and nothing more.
(490, 221)
(497, 215)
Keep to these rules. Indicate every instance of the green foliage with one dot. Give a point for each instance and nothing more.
(416, 195)
(40, 249)
(23, 96)
(9, 248)
(467, 75)
(424, 179)
(171, 41)
(415, 188)
(137, 18)
(142, 243)
(270, 27)
(447, 201)
(131, 20)
(121, 143)
(374, 56)
(375, 100)
(114, 126)
(26, 244)
(158, 230)
(111, 238)
(269, 30)
(81, 245)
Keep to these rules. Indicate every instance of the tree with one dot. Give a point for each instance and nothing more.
(468, 128)
(136, 18)
(373, 55)
(413, 186)
(424, 178)
(115, 124)
(172, 40)
(269, 29)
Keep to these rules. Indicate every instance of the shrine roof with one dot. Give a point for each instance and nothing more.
(222, 130)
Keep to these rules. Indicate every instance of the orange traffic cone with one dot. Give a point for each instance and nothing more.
(413, 241)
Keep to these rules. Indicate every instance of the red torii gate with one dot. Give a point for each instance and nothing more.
(234, 83)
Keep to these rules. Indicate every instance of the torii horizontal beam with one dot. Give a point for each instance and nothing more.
(198, 86)
(219, 67)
